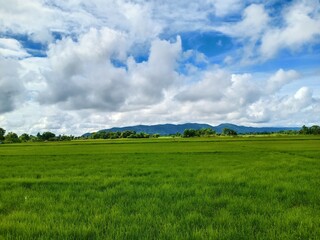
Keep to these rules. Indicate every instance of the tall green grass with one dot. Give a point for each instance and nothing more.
(219, 188)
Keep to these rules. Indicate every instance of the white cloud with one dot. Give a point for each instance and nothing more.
(141, 25)
(223, 89)
(248, 32)
(301, 26)
(142, 20)
(297, 107)
(211, 87)
(82, 74)
(240, 98)
(226, 7)
(302, 98)
(264, 35)
(254, 21)
(150, 79)
(243, 89)
(11, 48)
(280, 79)
(11, 87)
(292, 109)
(31, 18)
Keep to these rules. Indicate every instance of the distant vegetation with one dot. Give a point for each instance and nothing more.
(178, 129)
(124, 134)
(315, 130)
(205, 132)
(12, 137)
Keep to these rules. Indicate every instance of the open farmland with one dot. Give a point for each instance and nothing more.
(217, 188)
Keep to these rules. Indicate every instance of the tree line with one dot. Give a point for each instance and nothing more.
(124, 134)
(12, 137)
(207, 132)
(315, 130)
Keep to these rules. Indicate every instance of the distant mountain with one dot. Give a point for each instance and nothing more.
(167, 129)
(244, 129)
(162, 129)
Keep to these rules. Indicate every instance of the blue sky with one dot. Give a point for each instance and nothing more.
(78, 66)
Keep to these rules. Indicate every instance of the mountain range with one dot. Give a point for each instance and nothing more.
(167, 129)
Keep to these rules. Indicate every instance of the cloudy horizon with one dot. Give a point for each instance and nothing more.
(77, 66)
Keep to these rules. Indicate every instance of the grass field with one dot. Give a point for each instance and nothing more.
(218, 188)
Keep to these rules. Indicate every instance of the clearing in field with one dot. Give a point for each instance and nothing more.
(218, 188)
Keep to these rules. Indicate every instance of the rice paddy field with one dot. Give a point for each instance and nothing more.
(202, 188)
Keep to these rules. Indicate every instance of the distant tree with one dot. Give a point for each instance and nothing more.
(128, 134)
(288, 132)
(101, 135)
(108, 135)
(178, 134)
(189, 133)
(95, 135)
(33, 138)
(12, 137)
(315, 129)
(114, 135)
(143, 135)
(206, 132)
(65, 138)
(198, 133)
(304, 130)
(229, 132)
(24, 137)
(2, 133)
(48, 136)
(39, 137)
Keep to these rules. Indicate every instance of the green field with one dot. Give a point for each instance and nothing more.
(218, 188)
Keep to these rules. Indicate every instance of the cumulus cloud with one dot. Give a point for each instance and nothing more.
(292, 108)
(33, 118)
(225, 90)
(264, 35)
(243, 98)
(11, 87)
(280, 79)
(248, 32)
(150, 79)
(211, 87)
(142, 20)
(226, 7)
(32, 18)
(301, 26)
(254, 21)
(180, 15)
(301, 99)
(11, 48)
(83, 74)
